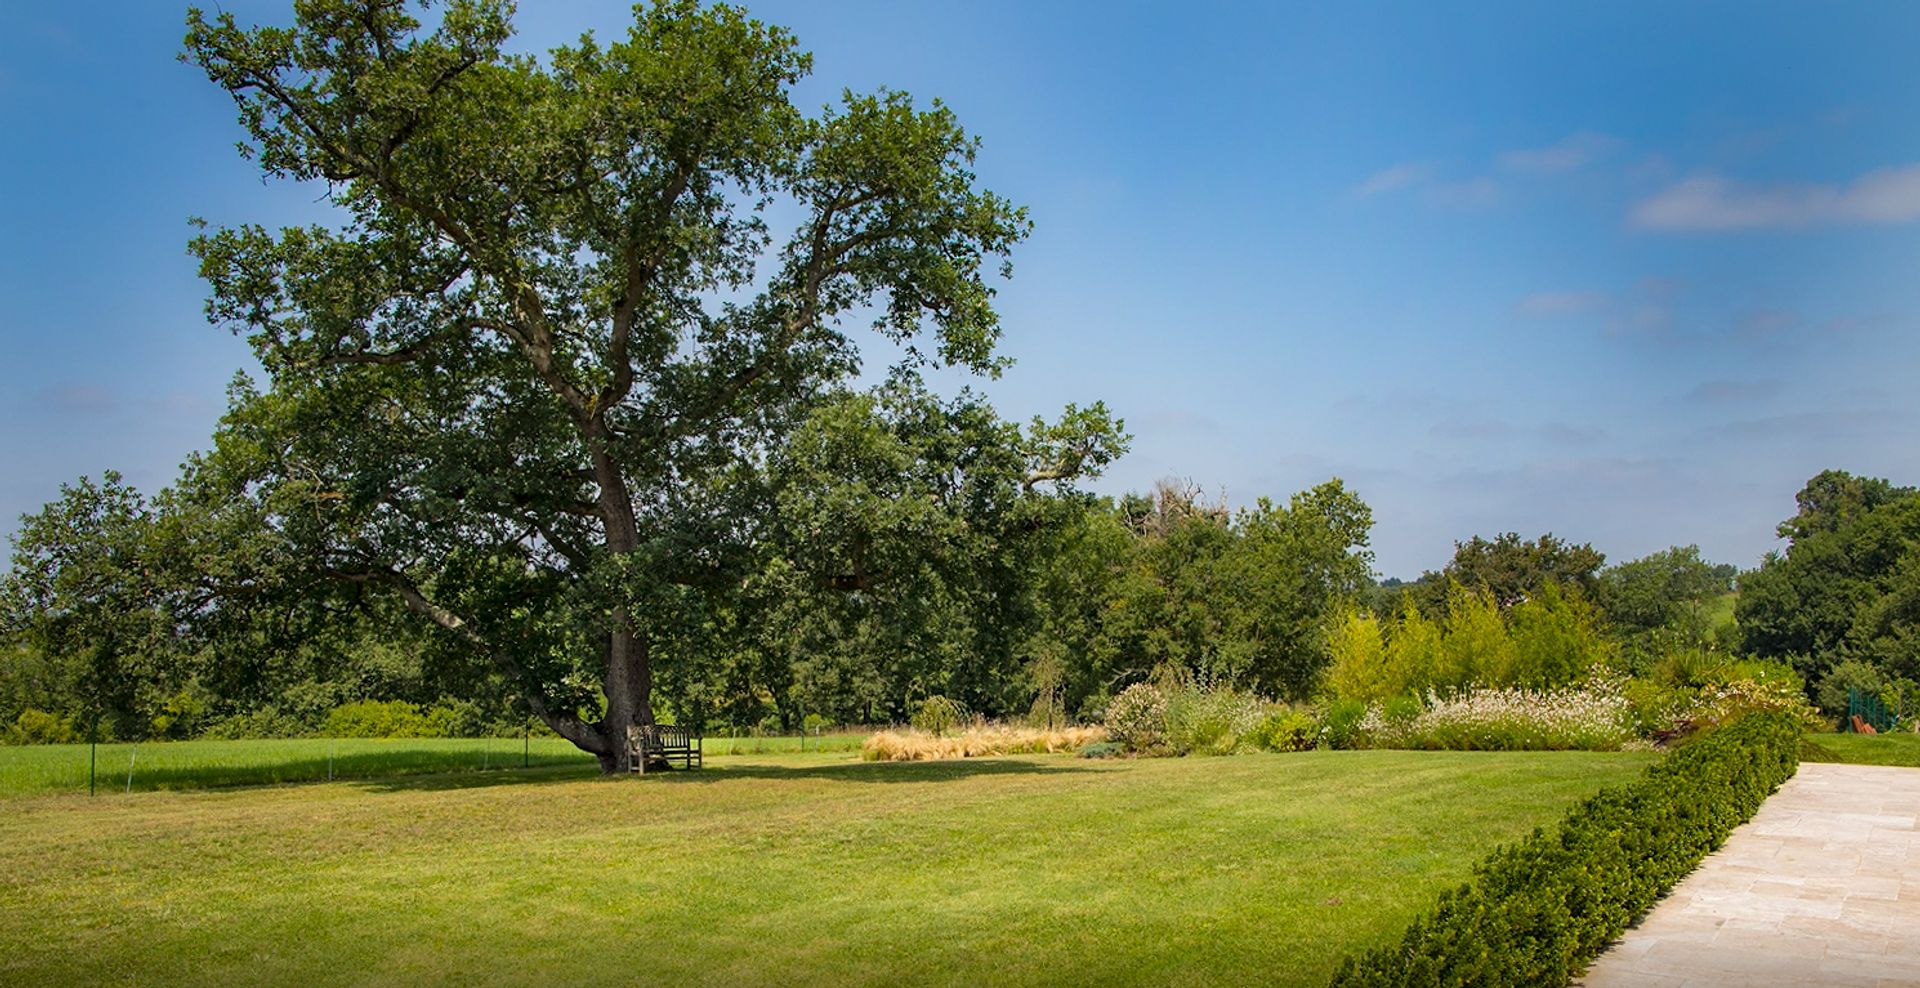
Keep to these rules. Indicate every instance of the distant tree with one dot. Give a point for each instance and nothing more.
(1242, 597)
(89, 614)
(1663, 595)
(1833, 498)
(528, 386)
(1511, 569)
(1846, 585)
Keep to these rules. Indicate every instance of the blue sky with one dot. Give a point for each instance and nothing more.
(1629, 273)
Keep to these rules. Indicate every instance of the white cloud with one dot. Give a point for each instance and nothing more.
(1709, 202)
(1391, 179)
(1565, 155)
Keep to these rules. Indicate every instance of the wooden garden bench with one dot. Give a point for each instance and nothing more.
(666, 742)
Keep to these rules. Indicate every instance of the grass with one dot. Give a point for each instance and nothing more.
(978, 741)
(1902, 748)
(204, 764)
(794, 869)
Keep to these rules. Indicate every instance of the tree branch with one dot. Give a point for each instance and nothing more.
(567, 725)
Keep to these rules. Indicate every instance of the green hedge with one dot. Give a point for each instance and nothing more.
(1537, 912)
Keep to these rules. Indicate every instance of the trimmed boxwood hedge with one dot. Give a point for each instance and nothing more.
(1537, 911)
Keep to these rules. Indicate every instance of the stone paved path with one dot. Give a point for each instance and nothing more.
(1820, 888)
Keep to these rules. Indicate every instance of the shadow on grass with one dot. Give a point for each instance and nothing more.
(358, 769)
(878, 772)
(866, 772)
(402, 769)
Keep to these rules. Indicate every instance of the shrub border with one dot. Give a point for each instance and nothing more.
(1536, 912)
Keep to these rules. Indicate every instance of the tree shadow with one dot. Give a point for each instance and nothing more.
(851, 771)
(946, 770)
(365, 770)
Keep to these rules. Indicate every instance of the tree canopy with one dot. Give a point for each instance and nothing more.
(1848, 584)
(1509, 568)
(533, 384)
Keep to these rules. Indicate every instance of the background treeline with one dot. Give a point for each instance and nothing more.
(882, 587)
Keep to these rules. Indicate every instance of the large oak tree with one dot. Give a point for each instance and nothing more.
(530, 382)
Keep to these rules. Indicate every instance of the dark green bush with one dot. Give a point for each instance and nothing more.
(1340, 728)
(1537, 911)
(1103, 749)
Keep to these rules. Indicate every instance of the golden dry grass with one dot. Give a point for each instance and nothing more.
(977, 741)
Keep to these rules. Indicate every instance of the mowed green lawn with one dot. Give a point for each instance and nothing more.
(1901, 748)
(784, 869)
(206, 764)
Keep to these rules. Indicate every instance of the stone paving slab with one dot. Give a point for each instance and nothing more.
(1821, 887)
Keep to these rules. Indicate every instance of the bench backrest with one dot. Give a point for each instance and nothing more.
(660, 735)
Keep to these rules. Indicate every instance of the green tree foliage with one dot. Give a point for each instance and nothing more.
(902, 559)
(1556, 640)
(1549, 640)
(1663, 601)
(1848, 584)
(527, 385)
(88, 611)
(1357, 666)
(1510, 569)
(1234, 597)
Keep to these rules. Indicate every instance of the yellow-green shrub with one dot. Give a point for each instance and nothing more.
(40, 727)
(1357, 650)
(1475, 648)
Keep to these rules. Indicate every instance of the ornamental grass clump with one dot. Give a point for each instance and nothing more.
(1210, 720)
(977, 741)
(1595, 717)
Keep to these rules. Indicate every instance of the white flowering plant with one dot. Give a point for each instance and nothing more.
(1592, 717)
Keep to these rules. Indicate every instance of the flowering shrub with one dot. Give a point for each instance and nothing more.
(1137, 718)
(1596, 717)
(1210, 721)
(1340, 727)
(1734, 700)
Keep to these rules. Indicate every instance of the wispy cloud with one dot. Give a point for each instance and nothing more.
(1824, 426)
(1733, 392)
(1392, 179)
(1648, 311)
(1544, 305)
(1470, 193)
(1570, 152)
(1713, 203)
(1567, 434)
